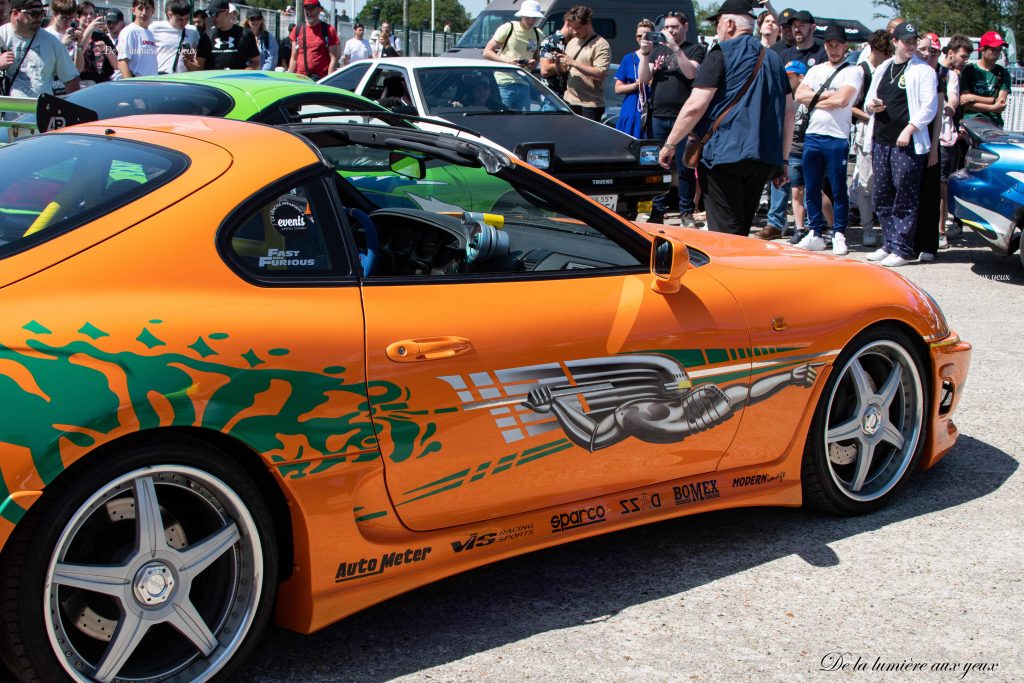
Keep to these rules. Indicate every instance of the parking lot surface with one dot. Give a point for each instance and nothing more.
(927, 589)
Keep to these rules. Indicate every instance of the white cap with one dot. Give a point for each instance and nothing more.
(375, 35)
(530, 8)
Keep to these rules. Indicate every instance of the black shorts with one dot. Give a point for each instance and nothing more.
(946, 155)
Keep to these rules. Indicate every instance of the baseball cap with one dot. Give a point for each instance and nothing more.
(310, 3)
(114, 15)
(835, 32)
(796, 67)
(733, 7)
(933, 41)
(785, 14)
(992, 39)
(27, 4)
(904, 31)
(215, 7)
(803, 15)
(530, 8)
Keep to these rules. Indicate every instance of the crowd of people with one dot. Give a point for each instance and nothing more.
(767, 106)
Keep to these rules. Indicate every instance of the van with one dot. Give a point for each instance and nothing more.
(613, 20)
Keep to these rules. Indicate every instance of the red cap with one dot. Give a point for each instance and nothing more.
(311, 3)
(992, 39)
(934, 39)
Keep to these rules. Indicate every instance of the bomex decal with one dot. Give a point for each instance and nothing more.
(598, 402)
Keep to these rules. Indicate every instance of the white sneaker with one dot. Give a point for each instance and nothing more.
(894, 261)
(839, 244)
(812, 242)
(870, 239)
(926, 256)
(878, 254)
(943, 242)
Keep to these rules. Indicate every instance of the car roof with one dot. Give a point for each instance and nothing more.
(262, 87)
(442, 62)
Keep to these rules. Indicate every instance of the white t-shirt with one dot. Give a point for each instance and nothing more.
(48, 59)
(356, 49)
(167, 41)
(835, 123)
(137, 46)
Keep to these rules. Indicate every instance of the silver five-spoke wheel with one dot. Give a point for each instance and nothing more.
(869, 424)
(155, 577)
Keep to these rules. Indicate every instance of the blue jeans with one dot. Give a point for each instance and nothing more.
(661, 127)
(779, 206)
(515, 96)
(825, 155)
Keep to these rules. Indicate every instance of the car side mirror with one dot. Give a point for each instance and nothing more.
(407, 165)
(669, 260)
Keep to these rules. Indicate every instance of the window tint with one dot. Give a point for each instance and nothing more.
(289, 236)
(124, 98)
(348, 79)
(55, 183)
(472, 91)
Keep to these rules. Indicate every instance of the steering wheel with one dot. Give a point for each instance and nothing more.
(367, 256)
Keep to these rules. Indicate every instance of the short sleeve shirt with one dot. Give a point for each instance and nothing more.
(47, 59)
(517, 42)
(811, 56)
(232, 49)
(834, 123)
(977, 81)
(137, 46)
(312, 48)
(712, 73)
(356, 49)
(582, 90)
(168, 40)
(671, 87)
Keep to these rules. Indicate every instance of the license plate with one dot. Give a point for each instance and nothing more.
(609, 200)
(644, 207)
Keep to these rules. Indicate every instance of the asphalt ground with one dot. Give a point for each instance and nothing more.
(755, 594)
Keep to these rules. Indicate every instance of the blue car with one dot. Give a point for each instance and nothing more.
(988, 193)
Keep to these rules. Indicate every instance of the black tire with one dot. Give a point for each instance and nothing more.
(880, 362)
(215, 559)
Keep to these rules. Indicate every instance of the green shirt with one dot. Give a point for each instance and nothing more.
(978, 81)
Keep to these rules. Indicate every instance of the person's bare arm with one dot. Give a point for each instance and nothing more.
(693, 110)
(335, 52)
(122, 66)
(626, 88)
(491, 52)
(837, 99)
(804, 94)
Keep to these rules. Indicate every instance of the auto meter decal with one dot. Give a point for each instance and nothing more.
(291, 218)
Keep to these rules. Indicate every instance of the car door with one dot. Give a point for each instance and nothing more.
(536, 387)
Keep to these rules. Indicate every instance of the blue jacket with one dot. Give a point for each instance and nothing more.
(753, 129)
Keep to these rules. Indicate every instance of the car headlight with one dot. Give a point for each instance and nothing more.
(536, 154)
(649, 154)
(979, 159)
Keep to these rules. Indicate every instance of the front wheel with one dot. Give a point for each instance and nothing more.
(155, 564)
(868, 428)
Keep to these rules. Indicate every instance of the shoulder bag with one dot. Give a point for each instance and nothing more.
(695, 146)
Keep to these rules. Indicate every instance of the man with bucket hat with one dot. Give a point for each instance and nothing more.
(517, 42)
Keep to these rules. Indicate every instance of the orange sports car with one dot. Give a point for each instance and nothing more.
(252, 372)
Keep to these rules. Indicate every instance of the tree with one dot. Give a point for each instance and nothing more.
(444, 10)
(972, 17)
(703, 10)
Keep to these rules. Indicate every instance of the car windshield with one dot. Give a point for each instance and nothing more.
(474, 91)
(124, 98)
(55, 183)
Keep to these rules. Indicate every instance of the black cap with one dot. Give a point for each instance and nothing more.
(803, 15)
(114, 16)
(27, 4)
(733, 7)
(215, 7)
(904, 31)
(835, 32)
(785, 14)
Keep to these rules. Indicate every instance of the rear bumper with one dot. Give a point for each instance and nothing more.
(951, 359)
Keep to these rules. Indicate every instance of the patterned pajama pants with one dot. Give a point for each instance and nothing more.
(897, 176)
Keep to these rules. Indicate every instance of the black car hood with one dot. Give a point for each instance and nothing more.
(577, 140)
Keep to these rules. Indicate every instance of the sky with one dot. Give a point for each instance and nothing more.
(861, 10)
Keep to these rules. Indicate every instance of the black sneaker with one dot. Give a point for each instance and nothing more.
(656, 217)
(797, 236)
(686, 220)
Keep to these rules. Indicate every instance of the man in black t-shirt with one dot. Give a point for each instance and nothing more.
(806, 48)
(204, 52)
(233, 47)
(670, 69)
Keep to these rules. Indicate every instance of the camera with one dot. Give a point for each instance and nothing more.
(73, 25)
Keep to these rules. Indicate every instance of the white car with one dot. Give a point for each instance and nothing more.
(508, 106)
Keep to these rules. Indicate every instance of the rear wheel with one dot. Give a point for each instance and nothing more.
(156, 565)
(868, 428)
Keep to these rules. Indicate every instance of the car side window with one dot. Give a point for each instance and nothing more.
(388, 86)
(348, 79)
(292, 234)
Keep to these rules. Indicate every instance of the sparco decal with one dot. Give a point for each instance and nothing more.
(695, 492)
(577, 518)
(757, 479)
(628, 506)
(369, 567)
(478, 540)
